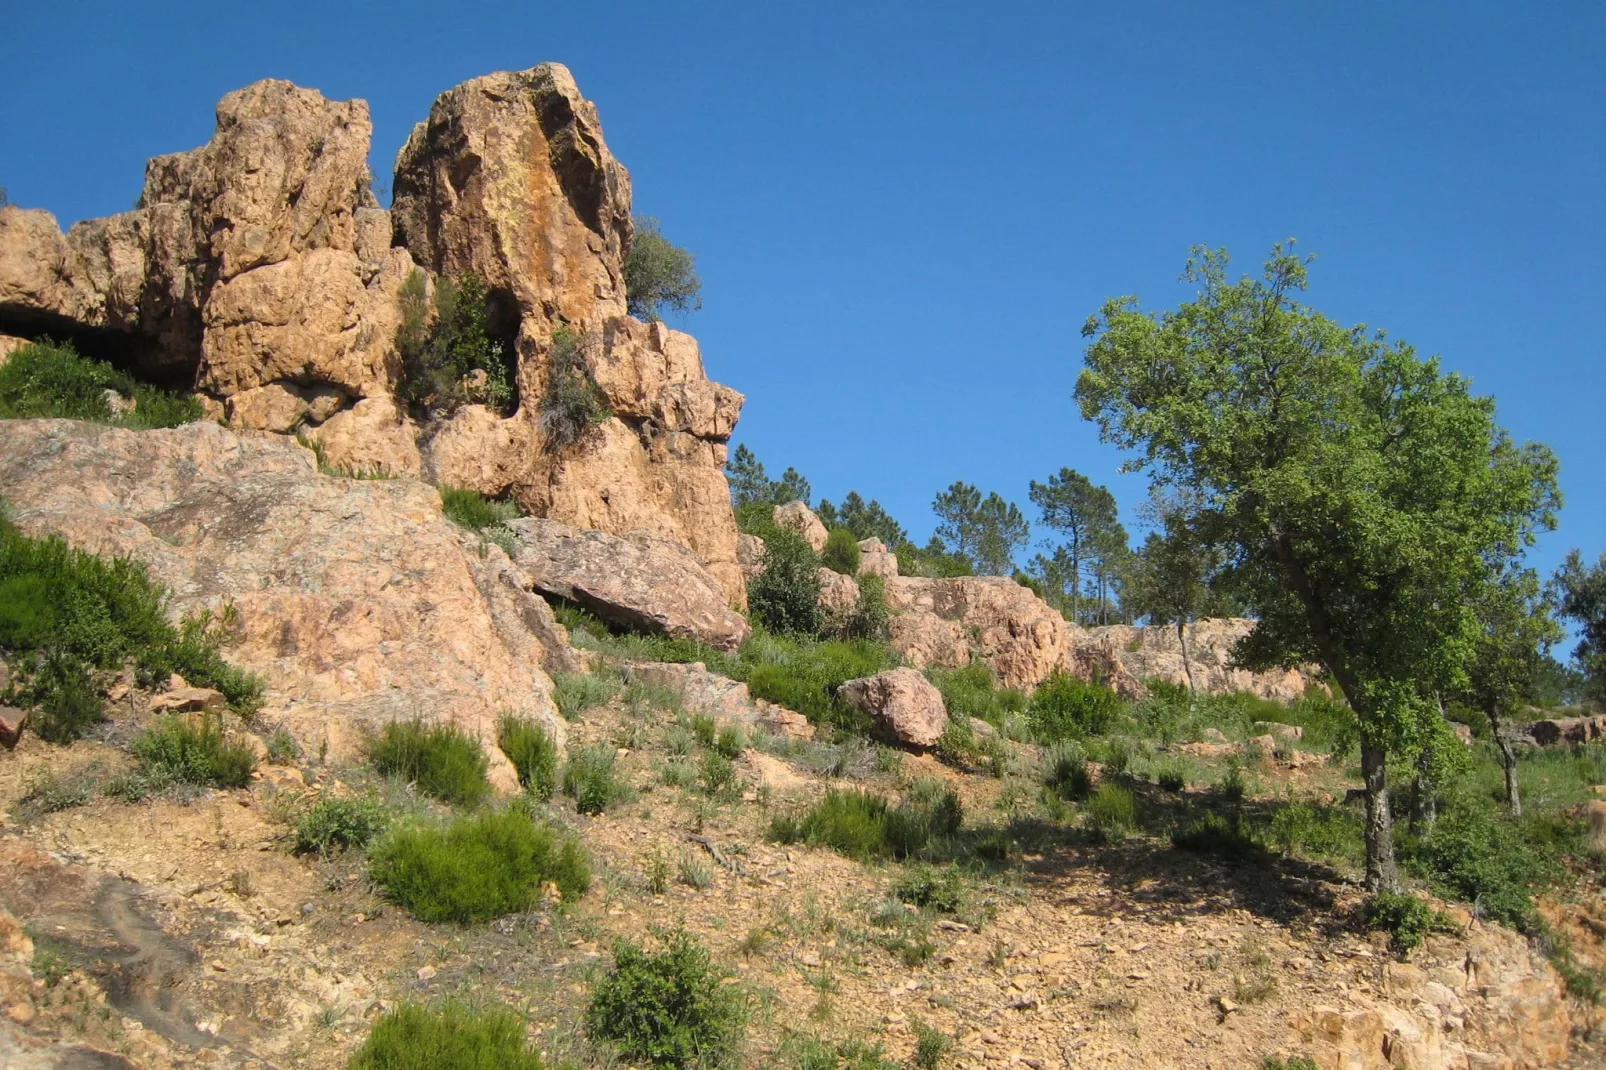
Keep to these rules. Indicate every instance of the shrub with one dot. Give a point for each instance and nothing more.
(1329, 832)
(1066, 708)
(1476, 854)
(48, 380)
(573, 403)
(718, 773)
(667, 1009)
(841, 553)
(589, 779)
(442, 760)
(450, 1038)
(46, 793)
(185, 750)
(931, 1047)
(785, 597)
(1232, 784)
(1171, 778)
(482, 866)
(341, 824)
(971, 692)
(69, 703)
(532, 752)
(1113, 812)
(729, 741)
(1214, 834)
(472, 510)
(804, 677)
(1405, 918)
(439, 358)
(812, 1053)
(942, 890)
(1065, 770)
(862, 825)
(283, 748)
(577, 692)
(868, 617)
(659, 275)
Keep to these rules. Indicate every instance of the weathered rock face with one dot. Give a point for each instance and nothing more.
(750, 555)
(874, 557)
(944, 622)
(904, 704)
(357, 601)
(636, 581)
(1124, 656)
(1566, 730)
(838, 593)
(260, 270)
(510, 177)
(801, 519)
(701, 691)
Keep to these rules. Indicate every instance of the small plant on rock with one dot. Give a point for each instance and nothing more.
(442, 760)
(573, 403)
(841, 553)
(667, 1009)
(659, 275)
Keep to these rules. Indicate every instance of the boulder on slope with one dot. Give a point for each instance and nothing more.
(904, 704)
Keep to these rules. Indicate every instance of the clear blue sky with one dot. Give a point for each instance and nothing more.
(904, 212)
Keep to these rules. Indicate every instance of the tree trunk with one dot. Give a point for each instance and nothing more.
(1182, 641)
(1381, 874)
(1424, 804)
(1508, 760)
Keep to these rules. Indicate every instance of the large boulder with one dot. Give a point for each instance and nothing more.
(636, 581)
(801, 519)
(875, 558)
(356, 600)
(947, 623)
(903, 704)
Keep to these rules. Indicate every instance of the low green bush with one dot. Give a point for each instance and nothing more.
(1214, 835)
(1331, 833)
(179, 749)
(440, 353)
(577, 692)
(445, 762)
(533, 754)
(868, 618)
(812, 1053)
(785, 596)
(472, 510)
(1171, 778)
(804, 676)
(841, 553)
(591, 780)
(1112, 812)
(1405, 918)
(69, 703)
(49, 380)
(667, 1009)
(451, 1037)
(863, 825)
(340, 824)
(942, 890)
(1067, 708)
(478, 867)
(971, 692)
(1477, 854)
(931, 1047)
(572, 403)
(1065, 770)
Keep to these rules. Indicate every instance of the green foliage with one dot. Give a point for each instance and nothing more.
(812, 1053)
(1112, 812)
(1297, 1062)
(472, 510)
(931, 1047)
(577, 692)
(863, 825)
(931, 888)
(532, 752)
(340, 824)
(452, 1037)
(1404, 917)
(986, 531)
(841, 553)
(659, 275)
(186, 750)
(868, 617)
(933, 560)
(1332, 833)
(1085, 513)
(718, 773)
(1215, 835)
(667, 1009)
(590, 779)
(1582, 598)
(971, 692)
(1065, 770)
(478, 867)
(69, 704)
(1171, 778)
(573, 403)
(785, 596)
(1474, 853)
(804, 676)
(866, 521)
(445, 762)
(49, 380)
(440, 355)
(283, 748)
(1066, 708)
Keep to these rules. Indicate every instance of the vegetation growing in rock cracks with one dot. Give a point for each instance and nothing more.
(444, 762)
(667, 1008)
(47, 379)
(444, 342)
(478, 867)
(66, 614)
(573, 403)
(659, 275)
(450, 1037)
(533, 754)
(841, 553)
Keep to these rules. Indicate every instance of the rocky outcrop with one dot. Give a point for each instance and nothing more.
(750, 555)
(838, 593)
(876, 559)
(722, 698)
(947, 623)
(1555, 730)
(356, 600)
(636, 581)
(1124, 657)
(801, 519)
(903, 704)
(260, 271)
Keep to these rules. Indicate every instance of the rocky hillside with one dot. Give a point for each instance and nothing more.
(472, 719)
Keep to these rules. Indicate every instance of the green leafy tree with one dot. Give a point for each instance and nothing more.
(1171, 581)
(1509, 654)
(987, 531)
(1111, 552)
(1357, 489)
(748, 481)
(933, 560)
(791, 487)
(1082, 511)
(1582, 591)
(866, 521)
(785, 596)
(659, 275)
